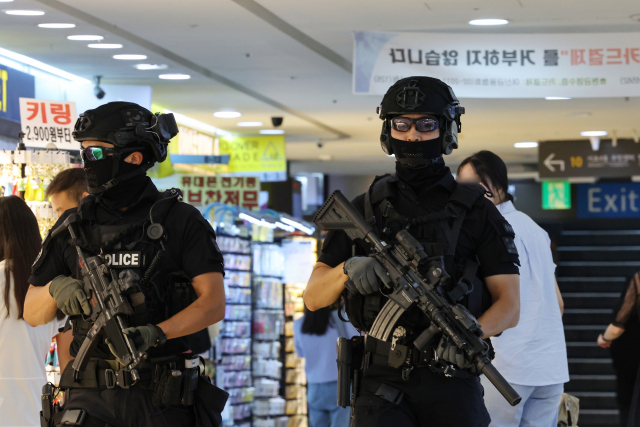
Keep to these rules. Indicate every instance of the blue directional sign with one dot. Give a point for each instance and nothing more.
(14, 85)
(199, 159)
(609, 200)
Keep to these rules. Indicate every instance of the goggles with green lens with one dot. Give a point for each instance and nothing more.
(92, 154)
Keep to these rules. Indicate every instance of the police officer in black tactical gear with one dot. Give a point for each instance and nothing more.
(435, 386)
(171, 249)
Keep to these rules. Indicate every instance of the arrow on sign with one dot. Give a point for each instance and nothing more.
(549, 162)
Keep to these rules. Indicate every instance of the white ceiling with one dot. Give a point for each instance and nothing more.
(226, 41)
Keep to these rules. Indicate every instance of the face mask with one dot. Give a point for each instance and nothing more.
(100, 172)
(416, 153)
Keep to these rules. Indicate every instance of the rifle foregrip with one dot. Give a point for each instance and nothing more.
(501, 384)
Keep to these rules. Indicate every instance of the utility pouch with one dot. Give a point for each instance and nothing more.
(208, 403)
(180, 293)
(46, 415)
(345, 368)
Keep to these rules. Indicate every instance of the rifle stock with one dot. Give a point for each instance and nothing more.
(411, 287)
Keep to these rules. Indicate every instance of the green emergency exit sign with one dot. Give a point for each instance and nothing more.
(556, 195)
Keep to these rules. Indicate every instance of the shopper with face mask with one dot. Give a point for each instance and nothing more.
(435, 386)
(533, 355)
(171, 249)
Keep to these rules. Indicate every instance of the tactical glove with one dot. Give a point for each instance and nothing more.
(69, 295)
(365, 274)
(449, 352)
(143, 338)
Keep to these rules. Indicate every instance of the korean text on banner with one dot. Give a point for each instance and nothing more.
(255, 154)
(230, 190)
(495, 66)
(45, 122)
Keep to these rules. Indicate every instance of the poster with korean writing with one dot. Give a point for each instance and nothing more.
(230, 190)
(46, 122)
(502, 65)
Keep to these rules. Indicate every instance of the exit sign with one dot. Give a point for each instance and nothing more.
(556, 195)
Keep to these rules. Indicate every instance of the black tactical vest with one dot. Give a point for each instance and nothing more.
(438, 232)
(138, 247)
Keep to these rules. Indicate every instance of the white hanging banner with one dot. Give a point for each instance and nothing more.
(46, 122)
(502, 65)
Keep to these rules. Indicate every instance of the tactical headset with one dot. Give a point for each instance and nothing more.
(410, 98)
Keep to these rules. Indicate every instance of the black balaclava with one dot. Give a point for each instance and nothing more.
(99, 172)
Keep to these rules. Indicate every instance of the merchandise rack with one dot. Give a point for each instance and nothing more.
(234, 344)
(268, 349)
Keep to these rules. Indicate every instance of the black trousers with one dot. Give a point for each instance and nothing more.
(132, 407)
(430, 400)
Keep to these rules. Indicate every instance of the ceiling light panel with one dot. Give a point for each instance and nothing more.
(174, 76)
(54, 25)
(86, 38)
(226, 114)
(24, 12)
(249, 124)
(151, 66)
(105, 46)
(487, 22)
(130, 57)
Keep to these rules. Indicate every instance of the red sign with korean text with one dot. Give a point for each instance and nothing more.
(48, 122)
(230, 190)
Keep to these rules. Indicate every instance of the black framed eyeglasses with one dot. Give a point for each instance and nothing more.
(92, 154)
(422, 124)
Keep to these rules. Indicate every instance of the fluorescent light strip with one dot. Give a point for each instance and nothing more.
(24, 12)
(525, 144)
(594, 133)
(52, 25)
(197, 125)
(284, 227)
(297, 225)
(42, 66)
(272, 132)
(253, 220)
(555, 98)
(105, 46)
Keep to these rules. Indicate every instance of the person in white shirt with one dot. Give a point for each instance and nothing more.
(23, 349)
(533, 355)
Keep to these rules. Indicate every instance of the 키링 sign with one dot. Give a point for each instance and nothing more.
(45, 122)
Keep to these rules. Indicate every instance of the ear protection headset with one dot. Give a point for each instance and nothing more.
(449, 118)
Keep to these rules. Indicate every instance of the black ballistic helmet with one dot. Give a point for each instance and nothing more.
(421, 94)
(125, 124)
(129, 127)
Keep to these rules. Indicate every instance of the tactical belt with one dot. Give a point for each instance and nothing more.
(379, 353)
(98, 374)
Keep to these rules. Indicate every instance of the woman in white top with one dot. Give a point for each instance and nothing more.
(533, 355)
(23, 349)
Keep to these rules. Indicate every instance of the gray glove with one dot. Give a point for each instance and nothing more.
(69, 295)
(143, 338)
(365, 274)
(449, 352)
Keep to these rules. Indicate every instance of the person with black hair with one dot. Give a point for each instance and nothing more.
(166, 248)
(398, 384)
(22, 348)
(315, 336)
(622, 338)
(533, 355)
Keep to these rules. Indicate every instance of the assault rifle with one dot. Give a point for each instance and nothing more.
(415, 281)
(108, 296)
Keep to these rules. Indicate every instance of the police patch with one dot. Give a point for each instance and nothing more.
(133, 117)
(124, 259)
(510, 245)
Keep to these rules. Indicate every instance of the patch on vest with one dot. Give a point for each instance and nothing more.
(124, 259)
(510, 245)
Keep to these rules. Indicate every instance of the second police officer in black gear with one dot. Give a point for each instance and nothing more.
(181, 271)
(421, 120)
